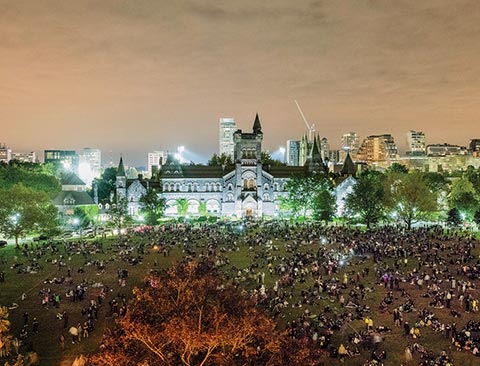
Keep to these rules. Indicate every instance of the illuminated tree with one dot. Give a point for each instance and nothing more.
(187, 316)
(23, 211)
(409, 197)
(367, 198)
(118, 215)
(463, 197)
(219, 160)
(182, 206)
(152, 206)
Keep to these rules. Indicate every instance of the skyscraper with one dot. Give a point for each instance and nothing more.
(349, 142)
(415, 143)
(377, 149)
(155, 160)
(226, 131)
(293, 152)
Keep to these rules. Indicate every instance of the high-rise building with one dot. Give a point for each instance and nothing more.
(27, 157)
(155, 160)
(377, 149)
(305, 148)
(349, 142)
(5, 154)
(226, 131)
(67, 158)
(94, 158)
(415, 143)
(325, 148)
(293, 152)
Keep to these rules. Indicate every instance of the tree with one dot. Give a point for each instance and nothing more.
(23, 210)
(323, 201)
(188, 316)
(463, 197)
(453, 217)
(409, 197)
(106, 184)
(5, 336)
(182, 206)
(152, 206)
(397, 168)
(220, 160)
(87, 215)
(202, 208)
(268, 161)
(32, 175)
(367, 198)
(476, 217)
(118, 214)
(298, 198)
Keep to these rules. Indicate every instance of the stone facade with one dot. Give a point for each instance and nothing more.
(245, 189)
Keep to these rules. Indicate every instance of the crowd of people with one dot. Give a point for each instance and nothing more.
(345, 289)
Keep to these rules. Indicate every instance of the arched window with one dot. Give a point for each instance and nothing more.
(230, 197)
(266, 197)
(265, 187)
(251, 184)
(245, 184)
(230, 187)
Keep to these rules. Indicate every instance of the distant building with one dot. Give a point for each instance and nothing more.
(155, 160)
(475, 147)
(27, 157)
(325, 148)
(244, 189)
(5, 154)
(73, 195)
(378, 150)
(67, 158)
(293, 152)
(349, 142)
(415, 143)
(227, 128)
(334, 156)
(94, 158)
(445, 150)
(305, 147)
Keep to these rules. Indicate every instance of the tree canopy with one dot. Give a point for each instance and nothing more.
(188, 316)
(152, 206)
(219, 160)
(24, 210)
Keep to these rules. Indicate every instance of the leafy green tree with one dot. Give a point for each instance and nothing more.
(397, 168)
(23, 211)
(298, 198)
(476, 217)
(182, 206)
(118, 215)
(39, 177)
(453, 217)
(202, 208)
(105, 184)
(267, 160)
(152, 206)
(473, 175)
(87, 215)
(323, 199)
(409, 197)
(367, 198)
(219, 160)
(463, 197)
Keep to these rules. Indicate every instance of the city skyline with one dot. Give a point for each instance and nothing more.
(131, 77)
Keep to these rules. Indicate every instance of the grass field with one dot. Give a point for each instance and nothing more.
(47, 344)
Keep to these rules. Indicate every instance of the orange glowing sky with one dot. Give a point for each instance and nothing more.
(136, 76)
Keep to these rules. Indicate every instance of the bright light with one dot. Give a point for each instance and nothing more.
(85, 173)
(323, 240)
(282, 150)
(15, 218)
(140, 218)
(181, 149)
(76, 221)
(67, 165)
(341, 262)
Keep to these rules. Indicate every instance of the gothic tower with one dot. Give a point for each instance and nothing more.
(121, 182)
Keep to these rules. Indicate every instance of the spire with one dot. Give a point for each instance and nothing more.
(121, 168)
(257, 127)
(348, 167)
(316, 152)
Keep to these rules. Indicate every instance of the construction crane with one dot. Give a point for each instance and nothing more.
(310, 127)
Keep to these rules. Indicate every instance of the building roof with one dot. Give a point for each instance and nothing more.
(282, 171)
(79, 198)
(348, 167)
(121, 168)
(194, 171)
(71, 179)
(257, 127)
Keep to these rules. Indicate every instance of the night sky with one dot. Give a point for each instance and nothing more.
(136, 76)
